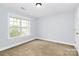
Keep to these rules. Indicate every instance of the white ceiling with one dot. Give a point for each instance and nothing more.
(46, 9)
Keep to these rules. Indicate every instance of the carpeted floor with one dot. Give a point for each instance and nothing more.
(40, 48)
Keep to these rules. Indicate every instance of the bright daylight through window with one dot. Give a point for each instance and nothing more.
(18, 27)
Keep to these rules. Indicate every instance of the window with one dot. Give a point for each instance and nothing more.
(18, 27)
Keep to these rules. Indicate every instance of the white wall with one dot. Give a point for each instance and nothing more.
(5, 42)
(57, 28)
(54, 28)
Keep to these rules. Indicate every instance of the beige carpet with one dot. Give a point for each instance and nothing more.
(40, 48)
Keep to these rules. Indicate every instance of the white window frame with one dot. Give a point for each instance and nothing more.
(20, 17)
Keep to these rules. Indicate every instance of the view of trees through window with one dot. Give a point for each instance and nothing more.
(18, 27)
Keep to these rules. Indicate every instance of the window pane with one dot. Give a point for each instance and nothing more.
(14, 31)
(16, 23)
(23, 23)
(11, 23)
(11, 19)
(15, 19)
(25, 30)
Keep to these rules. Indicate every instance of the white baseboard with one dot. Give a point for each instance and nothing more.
(33, 39)
(56, 41)
(1, 49)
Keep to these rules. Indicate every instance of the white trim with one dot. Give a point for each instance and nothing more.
(56, 41)
(1, 49)
(34, 39)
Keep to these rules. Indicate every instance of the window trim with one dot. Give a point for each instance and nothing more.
(20, 17)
